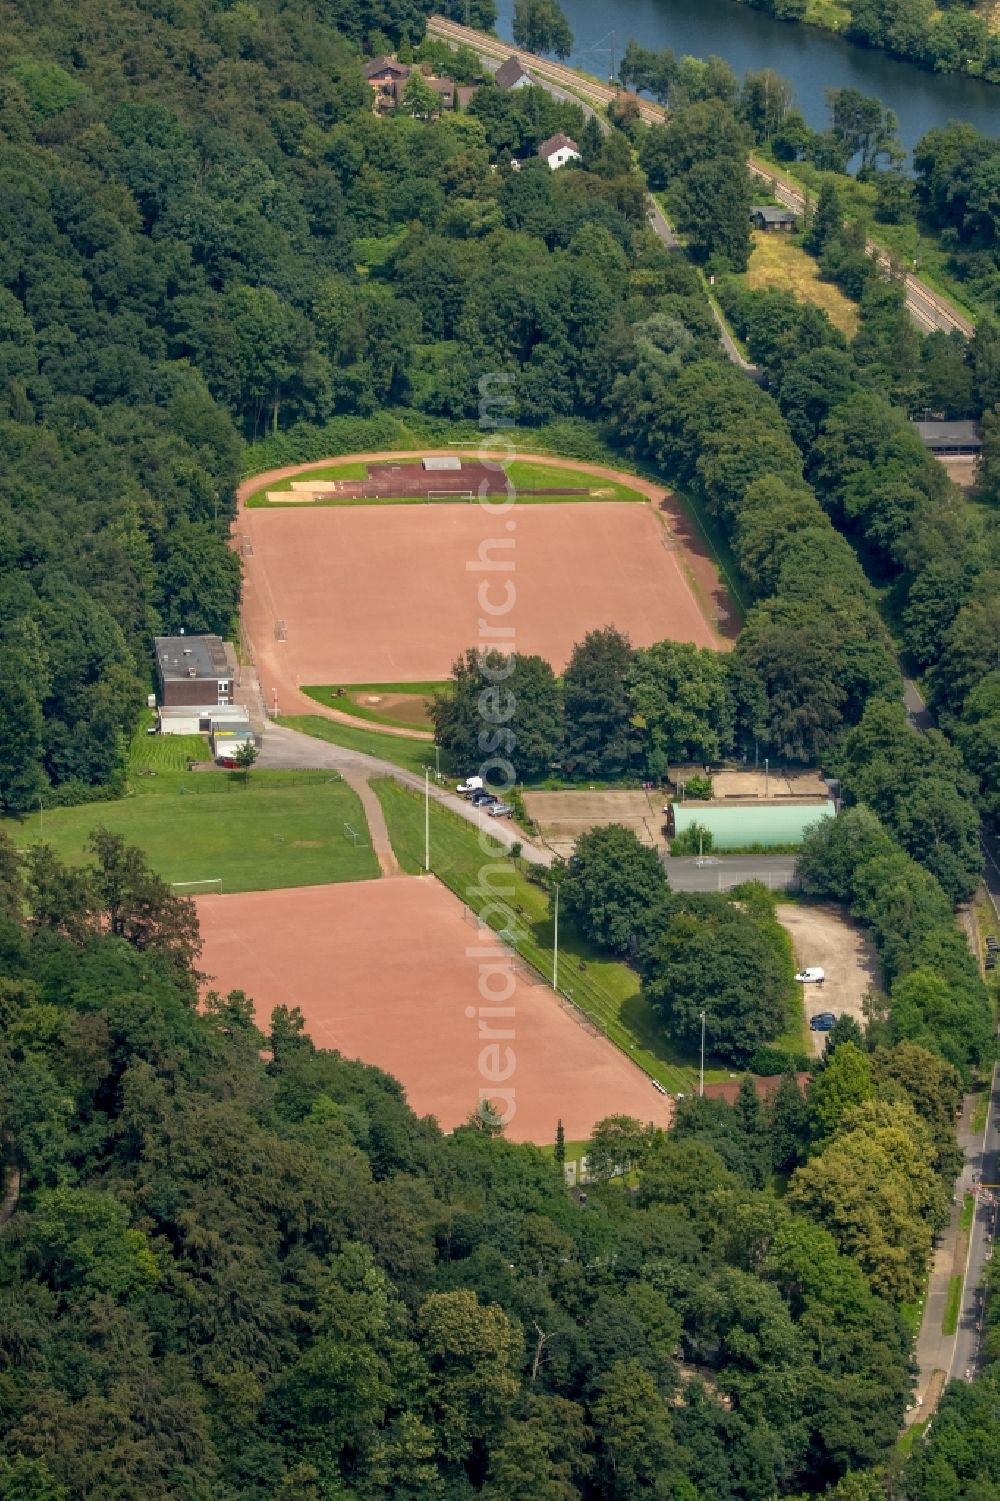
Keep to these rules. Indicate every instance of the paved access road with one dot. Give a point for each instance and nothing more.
(285, 749)
(722, 872)
(985, 1167)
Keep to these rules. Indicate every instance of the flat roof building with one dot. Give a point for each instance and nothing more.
(743, 823)
(196, 670)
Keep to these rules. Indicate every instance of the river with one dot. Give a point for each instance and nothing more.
(811, 60)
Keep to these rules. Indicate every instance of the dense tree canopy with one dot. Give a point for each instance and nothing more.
(244, 1266)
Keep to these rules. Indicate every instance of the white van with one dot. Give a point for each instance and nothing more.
(469, 786)
(811, 976)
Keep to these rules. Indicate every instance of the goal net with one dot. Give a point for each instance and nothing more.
(212, 887)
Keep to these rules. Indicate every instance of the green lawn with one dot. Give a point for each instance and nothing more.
(327, 472)
(347, 703)
(605, 989)
(968, 1213)
(529, 474)
(949, 1323)
(411, 755)
(278, 829)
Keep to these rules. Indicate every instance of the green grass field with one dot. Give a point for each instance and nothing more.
(949, 1323)
(605, 989)
(968, 1213)
(528, 474)
(348, 702)
(279, 828)
(523, 474)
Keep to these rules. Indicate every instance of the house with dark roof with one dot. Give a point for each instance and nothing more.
(772, 217)
(381, 70)
(445, 90)
(558, 150)
(513, 74)
(387, 78)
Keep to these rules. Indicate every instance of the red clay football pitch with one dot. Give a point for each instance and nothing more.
(391, 972)
(380, 594)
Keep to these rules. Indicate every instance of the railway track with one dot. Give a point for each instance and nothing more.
(928, 309)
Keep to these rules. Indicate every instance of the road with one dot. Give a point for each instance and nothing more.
(928, 309)
(285, 749)
(288, 750)
(984, 1163)
(957, 1356)
(722, 872)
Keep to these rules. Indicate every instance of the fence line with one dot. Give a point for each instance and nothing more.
(596, 1025)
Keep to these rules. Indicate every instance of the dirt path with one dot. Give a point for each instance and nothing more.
(280, 681)
(377, 826)
(825, 937)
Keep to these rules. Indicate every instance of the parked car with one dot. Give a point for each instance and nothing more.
(823, 1021)
(479, 799)
(500, 810)
(811, 975)
(469, 786)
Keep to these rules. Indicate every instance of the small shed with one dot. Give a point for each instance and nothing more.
(441, 463)
(739, 823)
(772, 217)
(950, 437)
(227, 737)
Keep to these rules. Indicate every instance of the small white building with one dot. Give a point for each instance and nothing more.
(558, 150)
(197, 719)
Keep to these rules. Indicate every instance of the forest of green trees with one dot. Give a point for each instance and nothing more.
(242, 1268)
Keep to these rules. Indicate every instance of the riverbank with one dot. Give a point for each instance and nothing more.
(811, 57)
(938, 45)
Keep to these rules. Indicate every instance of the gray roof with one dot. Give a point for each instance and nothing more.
(442, 461)
(181, 657)
(965, 433)
(773, 213)
(509, 72)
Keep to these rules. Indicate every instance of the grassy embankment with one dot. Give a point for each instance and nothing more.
(409, 754)
(279, 828)
(607, 990)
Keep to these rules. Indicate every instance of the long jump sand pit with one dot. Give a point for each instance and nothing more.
(383, 594)
(390, 972)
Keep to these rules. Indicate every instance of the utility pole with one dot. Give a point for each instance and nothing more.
(701, 1081)
(555, 946)
(427, 818)
(765, 777)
